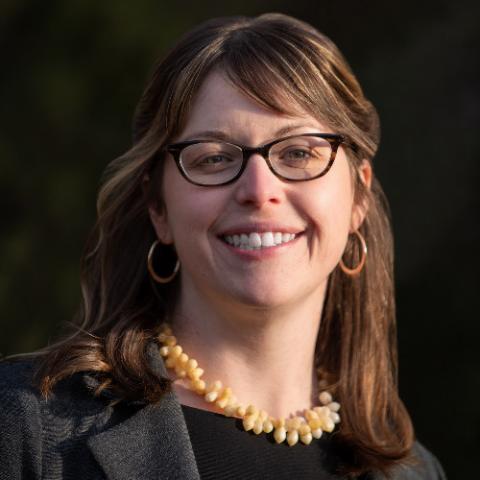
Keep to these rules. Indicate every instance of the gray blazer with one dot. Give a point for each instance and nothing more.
(75, 435)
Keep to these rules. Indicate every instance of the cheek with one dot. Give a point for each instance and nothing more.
(332, 225)
(190, 210)
(331, 215)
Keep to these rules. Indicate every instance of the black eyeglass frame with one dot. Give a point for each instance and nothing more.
(334, 139)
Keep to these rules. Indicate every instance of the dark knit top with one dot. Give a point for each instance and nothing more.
(224, 450)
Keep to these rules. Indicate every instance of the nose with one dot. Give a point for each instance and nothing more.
(258, 185)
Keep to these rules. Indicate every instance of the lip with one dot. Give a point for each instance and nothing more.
(261, 253)
(259, 227)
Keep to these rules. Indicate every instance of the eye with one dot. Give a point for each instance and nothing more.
(213, 160)
(297, 154)
(210, 156)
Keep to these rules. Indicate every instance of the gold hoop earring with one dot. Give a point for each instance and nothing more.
(356, 270)
(152, 271)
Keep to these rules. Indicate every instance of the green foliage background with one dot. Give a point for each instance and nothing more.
(71, 73)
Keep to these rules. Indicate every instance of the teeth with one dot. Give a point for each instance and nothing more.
(267, 239)
(255, 241)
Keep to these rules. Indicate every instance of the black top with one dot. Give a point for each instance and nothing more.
(225, 451)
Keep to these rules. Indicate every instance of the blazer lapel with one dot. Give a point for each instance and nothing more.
(152, 444)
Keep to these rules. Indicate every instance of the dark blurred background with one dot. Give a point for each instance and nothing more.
(71, 73)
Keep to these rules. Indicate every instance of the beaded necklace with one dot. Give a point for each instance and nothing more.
(304, 428)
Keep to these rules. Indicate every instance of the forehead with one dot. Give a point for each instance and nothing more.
(220, 106)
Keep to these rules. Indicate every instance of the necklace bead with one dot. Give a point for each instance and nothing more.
(293, 430)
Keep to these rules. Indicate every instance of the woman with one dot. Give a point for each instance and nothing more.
(237, 287)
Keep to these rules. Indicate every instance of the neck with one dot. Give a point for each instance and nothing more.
(265, 355)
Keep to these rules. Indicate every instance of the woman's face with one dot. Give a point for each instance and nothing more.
(197, 219)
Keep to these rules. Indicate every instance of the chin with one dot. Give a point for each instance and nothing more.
(262, 298)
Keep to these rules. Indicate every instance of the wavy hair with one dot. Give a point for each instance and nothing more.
(283, 64)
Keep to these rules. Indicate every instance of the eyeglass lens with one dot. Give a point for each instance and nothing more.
(295, 158)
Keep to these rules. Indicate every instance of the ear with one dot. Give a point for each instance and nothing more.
(158, 215)
(359, 210)
(159, 219)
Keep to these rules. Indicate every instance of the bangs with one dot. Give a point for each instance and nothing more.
(289, 69)
(263, 80)
(274, 72)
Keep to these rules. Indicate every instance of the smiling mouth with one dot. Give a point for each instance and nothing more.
(257, 240)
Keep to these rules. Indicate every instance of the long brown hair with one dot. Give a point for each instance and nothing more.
(283, 64)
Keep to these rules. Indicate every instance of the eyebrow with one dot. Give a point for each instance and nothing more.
(223, 136)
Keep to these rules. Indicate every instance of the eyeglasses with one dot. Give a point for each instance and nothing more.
(297, 158)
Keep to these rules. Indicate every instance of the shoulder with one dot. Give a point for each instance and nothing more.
(47, 437)
(423, 465)
(430, 465)
(17, 393)
(20, 421)
(13, 371)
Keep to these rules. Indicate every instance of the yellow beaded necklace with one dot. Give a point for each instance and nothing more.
(311, 425)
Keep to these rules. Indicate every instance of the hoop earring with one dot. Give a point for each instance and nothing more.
(152, 271)
(356, 270)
